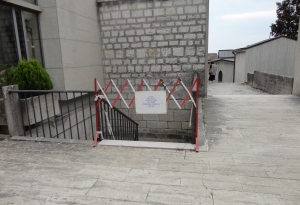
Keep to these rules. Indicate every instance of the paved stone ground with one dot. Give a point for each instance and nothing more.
(254, 158)
(232, 89)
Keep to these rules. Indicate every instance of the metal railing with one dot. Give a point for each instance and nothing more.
(71, 115)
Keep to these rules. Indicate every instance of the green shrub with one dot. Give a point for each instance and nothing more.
(30, 75)
(5, 74)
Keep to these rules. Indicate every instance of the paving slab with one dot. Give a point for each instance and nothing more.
(253, 158)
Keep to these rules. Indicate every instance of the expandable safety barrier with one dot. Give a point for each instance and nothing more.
(99, 98)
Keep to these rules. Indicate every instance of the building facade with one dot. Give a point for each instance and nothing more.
(77, 41)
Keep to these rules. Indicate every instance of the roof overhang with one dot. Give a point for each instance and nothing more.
(24, 5)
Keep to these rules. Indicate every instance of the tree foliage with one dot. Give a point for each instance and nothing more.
(30, 75)
(288, 12)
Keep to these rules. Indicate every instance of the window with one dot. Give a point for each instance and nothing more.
(19, 36)
(31, 1)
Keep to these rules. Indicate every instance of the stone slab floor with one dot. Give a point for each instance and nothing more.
(254, 158)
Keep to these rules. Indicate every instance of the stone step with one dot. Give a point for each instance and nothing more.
(151, 139)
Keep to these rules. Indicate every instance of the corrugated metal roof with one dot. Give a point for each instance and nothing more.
(262, 42)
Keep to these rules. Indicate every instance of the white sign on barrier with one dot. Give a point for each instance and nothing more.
(150, 102)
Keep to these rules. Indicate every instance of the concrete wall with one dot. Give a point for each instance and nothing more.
(296, 88)
(274, 84)
(250, 78)
(240, 67)
(71, 43)
(152, 40)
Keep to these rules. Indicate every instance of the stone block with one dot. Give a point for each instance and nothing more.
(170, 11)
(117, 62)
(122, 69)
(148, 12)
(155, 68)
(150, 31)
(160, 61)
(166, 68)
(173, 43)
(125, 14)
(146, 38)
(171, 60)
(163, 43)
(166, 52)
(141, 20)
(183, 29)
(140, 32)
(157, 124)
(202, 9)
(191, 9)
(119, 54)
(178, 51)
(130, 32)
(189, 36)
(158, 37)
(136, 45)
(176, 68)
(196, 28)
(109, 54)
(159, 12)
(130, 53)
(152, 117)
(190, 51)
(174, 125)
(141, 53)
(182, 115)
(122, 39)
(163, 31)
(130, 68)
(137, 13)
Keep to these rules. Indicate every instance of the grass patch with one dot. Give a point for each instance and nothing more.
(2, 138)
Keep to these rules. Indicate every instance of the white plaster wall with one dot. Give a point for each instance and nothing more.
(51, 43)
(296, 87)
(227, 70)
(240, 66)
(72, 43)
(275, 57)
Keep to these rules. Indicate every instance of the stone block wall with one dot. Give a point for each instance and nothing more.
(274, 84)
(250, 78)
(153, 39)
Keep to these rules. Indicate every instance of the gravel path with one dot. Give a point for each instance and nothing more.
(233, 89)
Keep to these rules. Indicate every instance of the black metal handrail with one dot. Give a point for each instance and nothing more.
(122, 127)
(71, 115)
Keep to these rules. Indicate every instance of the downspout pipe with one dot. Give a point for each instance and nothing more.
(234, 53)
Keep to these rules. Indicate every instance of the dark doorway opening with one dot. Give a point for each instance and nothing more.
(220, 76)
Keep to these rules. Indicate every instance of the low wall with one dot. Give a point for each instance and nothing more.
(250, 78)
(274, 84)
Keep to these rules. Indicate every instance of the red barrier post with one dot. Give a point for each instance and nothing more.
(197, 107)
(97, 114)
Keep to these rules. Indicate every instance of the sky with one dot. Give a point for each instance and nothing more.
(237, 23)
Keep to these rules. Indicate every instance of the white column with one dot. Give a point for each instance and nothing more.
(296, 87)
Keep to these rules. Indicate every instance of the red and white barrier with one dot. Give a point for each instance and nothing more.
(98, 99)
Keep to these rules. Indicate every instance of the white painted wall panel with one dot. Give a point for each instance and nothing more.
(240, 66)
(274, 57)
(227, 70)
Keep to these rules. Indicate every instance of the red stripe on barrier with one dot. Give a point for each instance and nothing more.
(139, 88)
(158, 84)
(173, 89)
(105, 90)
(125, 84)
(187, 95)
(197, 107)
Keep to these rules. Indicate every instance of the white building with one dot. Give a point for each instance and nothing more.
(224, 71)
(274, 56)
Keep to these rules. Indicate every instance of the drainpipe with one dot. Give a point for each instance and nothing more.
(234, 53)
